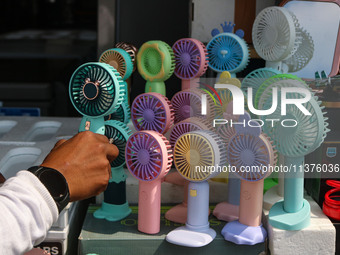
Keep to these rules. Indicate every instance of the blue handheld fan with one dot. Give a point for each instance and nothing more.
(227, 52)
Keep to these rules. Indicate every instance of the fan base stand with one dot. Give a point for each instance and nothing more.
(111, 212)
(186, 236)
(271, 197)
(239, 233)
(226, 211)
(281, 219)
(178, 213)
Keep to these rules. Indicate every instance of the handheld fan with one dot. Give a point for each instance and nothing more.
(278, 37)
(152, 111)
(264, 94)
(294, 142)
(178, 213)
(95, 90)
(255, 78)
(131, 50)
(122, 114)
(227, 52)
(229, 210)
(155, 63)
(191, 61)
(194, 152)
(121, 61)
(303, 54)
(148, 158)
(251, 153)
(188, 103)
(115, 206)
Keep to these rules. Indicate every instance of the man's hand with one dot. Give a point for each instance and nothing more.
(84, 160)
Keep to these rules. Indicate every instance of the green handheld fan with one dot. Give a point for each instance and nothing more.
(115, 207)
(294, 142)
(155, 63)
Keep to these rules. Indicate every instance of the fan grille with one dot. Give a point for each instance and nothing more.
(190, 58)
(227, 52)
(274, 34)
(148, 155)
(131, 50)
(256, 78)
(187, 103)
(118, 59)
(122, 114)
(306, 136)
(192, 150)
(249, 154)
(155, 61)
(108, 84)
(188, 125)
(120, 134)
(303, 54)
(269, 82)
(152, 111)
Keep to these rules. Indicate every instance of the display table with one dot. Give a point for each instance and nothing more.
(106, 238)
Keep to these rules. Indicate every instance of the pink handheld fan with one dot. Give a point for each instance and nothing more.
(152, 111)
(178, 213)
(251, 153)
(148, 158)
(188, 103)
(191, 61)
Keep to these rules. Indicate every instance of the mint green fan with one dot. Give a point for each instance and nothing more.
(155, 63)
(122, 114)
(255, 78)
(96, 90)
(294, 142)
(115, 206)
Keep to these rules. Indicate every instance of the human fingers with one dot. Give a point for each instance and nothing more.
(59, 143)
(112, 152)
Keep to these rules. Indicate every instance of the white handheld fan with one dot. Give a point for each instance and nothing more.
(194, 154)
(279, 39)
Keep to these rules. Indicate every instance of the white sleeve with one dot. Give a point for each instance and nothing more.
(27, 211)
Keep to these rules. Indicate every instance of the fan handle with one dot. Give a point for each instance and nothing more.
(190, 84)
(198, 206)
(155, 86)
(251, 197)
(293, 185)
(282, 67)
(149, 206)
(96, 125)
(229, 210)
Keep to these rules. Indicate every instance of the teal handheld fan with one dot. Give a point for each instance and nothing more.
(96, 90)
(121, 61)
(303, 135)
(115, 206)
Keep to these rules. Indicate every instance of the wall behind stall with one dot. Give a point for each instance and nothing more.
(141, 21)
